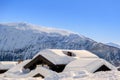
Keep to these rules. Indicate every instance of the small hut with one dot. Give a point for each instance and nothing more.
(91, 65)
(52, 59)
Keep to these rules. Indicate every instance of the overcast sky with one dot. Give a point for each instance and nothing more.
(96, 19)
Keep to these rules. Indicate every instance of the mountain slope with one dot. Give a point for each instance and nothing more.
(23, 41)
(113, 44)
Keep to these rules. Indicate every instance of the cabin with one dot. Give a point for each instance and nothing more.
(53, 61)
(40, 60)
(60, 60)
(91, 65)
(19, 72)
(57, 59)
(6, 65)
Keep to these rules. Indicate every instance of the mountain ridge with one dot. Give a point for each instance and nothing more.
(22, 43)
(113, 44)
(28, 26)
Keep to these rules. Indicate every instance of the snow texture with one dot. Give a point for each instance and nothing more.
(90, 65)
(80, 69)
(78, 75)
(7, 65)
(57, 56)
(113, 44)
(21, 41)
(19, 72)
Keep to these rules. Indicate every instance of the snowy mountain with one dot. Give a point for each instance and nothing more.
(22, 41)
(113, 44)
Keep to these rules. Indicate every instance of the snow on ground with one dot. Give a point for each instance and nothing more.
(80, 75)
(21, 78)
(108, 75)
(7, 64)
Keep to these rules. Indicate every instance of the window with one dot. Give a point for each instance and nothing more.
(68, 53)
(103, 68)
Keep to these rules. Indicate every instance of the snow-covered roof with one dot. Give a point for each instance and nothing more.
(83, 60)
(5, 65)
(57, 56)
(82, 53)
(40, 70)
(91, 65)
(19, 72)
(16, 70)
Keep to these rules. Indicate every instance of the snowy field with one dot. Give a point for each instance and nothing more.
(21, 79)
(109, 75)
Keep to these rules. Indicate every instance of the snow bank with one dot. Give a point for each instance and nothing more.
(110, 75)
(30, 78)
(77, 75)
(16, 70)
(7, 64)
